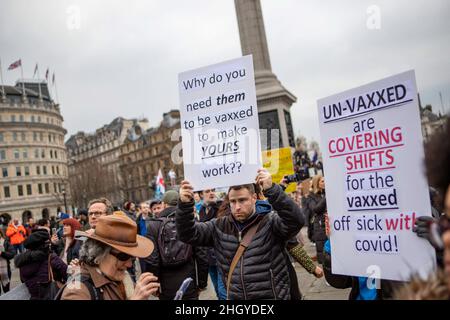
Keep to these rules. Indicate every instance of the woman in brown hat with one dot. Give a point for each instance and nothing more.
(104, 259)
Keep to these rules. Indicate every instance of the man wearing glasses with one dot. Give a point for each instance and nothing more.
(97, 208)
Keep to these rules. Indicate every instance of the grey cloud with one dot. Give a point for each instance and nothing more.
(125, 57)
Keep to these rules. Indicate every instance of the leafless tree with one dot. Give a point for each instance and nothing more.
(90, 180)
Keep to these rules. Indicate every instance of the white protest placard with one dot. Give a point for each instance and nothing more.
(219, 124)
(374, 176)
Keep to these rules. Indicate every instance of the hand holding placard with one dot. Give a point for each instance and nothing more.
(219, 124)
(186, 191)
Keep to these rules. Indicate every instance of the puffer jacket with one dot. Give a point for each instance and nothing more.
(16, 234)
(262, 271)
(33, 265)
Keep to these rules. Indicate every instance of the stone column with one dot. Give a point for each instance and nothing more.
(274, 101)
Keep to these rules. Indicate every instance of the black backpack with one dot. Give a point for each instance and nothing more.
(96, 294)
(172, 251)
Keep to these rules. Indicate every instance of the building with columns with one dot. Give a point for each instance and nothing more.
(274, 101)
(33, 160)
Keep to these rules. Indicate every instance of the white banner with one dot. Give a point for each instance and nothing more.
(375, 185)
(219, 124)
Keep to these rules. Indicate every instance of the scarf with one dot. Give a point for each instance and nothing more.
(4, 279)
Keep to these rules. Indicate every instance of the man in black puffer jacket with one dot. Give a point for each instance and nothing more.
(262, 271)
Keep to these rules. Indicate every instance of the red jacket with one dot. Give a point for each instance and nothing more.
(16, 234)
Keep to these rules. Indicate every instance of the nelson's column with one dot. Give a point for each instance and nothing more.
(274, 101)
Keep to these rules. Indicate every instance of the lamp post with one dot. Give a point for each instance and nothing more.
(64, 196)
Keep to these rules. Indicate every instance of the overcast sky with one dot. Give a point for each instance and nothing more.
(124, 56)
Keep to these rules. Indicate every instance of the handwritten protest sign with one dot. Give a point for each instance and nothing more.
(376, 189)
(219, 124)
(279, 163)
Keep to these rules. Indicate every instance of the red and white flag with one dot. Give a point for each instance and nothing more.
(35, 70)
(15, 64)
(46, 75)
(160, 185)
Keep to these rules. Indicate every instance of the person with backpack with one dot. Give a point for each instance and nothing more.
(173, 261)
(250, 243)
(104, 259)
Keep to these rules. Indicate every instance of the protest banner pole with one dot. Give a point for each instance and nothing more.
(3, 85)
(39, 83)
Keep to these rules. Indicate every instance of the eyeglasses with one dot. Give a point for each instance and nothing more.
(120, 255)
(97, 213)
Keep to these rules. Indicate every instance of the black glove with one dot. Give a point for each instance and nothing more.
(428, 228)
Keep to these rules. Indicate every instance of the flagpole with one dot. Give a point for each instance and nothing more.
(56, 90)
(49, 89)
(23, 81)
(39, 83)
(1, 78)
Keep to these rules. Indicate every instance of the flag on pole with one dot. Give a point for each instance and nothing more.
(15, 64)
(160, 186)
(35, 70)
(46, 75)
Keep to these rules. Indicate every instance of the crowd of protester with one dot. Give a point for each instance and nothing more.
(246, 242)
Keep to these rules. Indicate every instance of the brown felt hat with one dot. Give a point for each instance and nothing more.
(120, 233)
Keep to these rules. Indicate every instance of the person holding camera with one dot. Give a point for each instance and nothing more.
(16, 233)
(38, 265)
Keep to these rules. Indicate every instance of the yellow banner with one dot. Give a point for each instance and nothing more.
(279, 163)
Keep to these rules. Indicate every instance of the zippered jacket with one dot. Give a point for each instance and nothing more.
(262, 271)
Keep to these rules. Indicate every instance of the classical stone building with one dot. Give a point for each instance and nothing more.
(94, 161)
(33, 161)
(430, 121)
(144, 152)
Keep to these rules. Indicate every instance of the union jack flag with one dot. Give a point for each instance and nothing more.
(15, 64)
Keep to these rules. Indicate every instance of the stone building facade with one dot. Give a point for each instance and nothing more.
(94, 161)
(431, 122)
(33, 159)
(144, 152)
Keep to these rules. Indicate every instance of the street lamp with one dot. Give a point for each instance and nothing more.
(63, 188)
